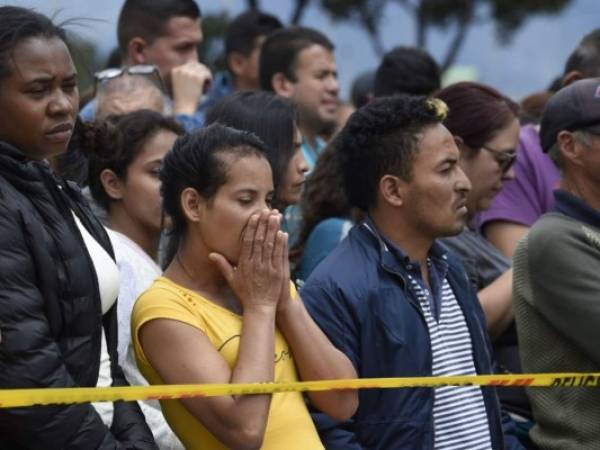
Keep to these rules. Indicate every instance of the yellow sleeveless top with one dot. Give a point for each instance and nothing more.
(289, 425)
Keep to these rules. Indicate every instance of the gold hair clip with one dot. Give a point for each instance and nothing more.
(439, 106)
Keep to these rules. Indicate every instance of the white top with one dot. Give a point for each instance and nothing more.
(138, 272)
(107, 275)
(107, 272)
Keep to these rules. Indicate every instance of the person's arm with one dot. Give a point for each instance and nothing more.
(31, 358)
(565, 280)
(129, 424)
(334, 317)
(239, 422)
(317, 359)
(504, 235)
(496, 302)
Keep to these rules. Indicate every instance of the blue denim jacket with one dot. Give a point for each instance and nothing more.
(359, 297)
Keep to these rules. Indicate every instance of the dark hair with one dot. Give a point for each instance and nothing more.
(323, 197)
(532, 107)
(18, 24)
(280, 52)
(382, 138)
(196, 161)
(242, 32)
(476, 112)
(147, 18)
(586, 57)
(270, 117)
(407, 70)
(362, 89)
(116, 142)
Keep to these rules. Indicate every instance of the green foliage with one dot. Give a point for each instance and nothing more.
(87, 61)
(510, 15)
(507, 15)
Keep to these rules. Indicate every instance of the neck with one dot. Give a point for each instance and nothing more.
(581, 187)
(147, 239)
(241, 84)
(411, 240)
(309, 133)
(192, 269)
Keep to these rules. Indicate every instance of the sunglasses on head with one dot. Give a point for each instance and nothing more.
(148, 70)
(505, 158)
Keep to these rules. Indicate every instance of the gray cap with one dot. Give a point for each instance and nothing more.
(574, 107)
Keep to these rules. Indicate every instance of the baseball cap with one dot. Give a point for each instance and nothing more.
(574, 107)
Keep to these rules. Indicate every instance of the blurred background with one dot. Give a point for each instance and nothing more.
(518, 46)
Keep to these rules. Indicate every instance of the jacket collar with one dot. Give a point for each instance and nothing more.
(392, 257)
(574, 207)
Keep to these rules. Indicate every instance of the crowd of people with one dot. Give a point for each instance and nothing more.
(175, 226)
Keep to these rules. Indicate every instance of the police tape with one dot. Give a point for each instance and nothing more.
(10, 398)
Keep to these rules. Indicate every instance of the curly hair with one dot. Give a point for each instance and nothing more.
(382, 138)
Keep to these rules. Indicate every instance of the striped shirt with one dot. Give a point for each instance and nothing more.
(459, 415)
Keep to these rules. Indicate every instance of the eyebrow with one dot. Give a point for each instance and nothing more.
(448, 160)
(48, 79)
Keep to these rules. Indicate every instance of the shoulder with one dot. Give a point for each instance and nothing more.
(351, 268)
(557, 236)
(333, 225)
(162, 300)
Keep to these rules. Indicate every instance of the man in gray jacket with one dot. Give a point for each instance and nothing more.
(557, 275)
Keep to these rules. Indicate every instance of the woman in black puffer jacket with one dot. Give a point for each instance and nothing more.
(57, 283)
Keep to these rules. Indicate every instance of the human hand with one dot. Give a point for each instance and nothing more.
(260, 271)
(189, 82)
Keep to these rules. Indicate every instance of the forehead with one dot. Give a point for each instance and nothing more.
(315, 57)
(182, 29)
(248, 170)
(41, 57)
(436, 145)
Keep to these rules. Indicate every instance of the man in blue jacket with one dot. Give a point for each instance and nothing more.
(391, 297)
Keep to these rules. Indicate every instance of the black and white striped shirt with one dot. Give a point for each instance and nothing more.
(459, 415)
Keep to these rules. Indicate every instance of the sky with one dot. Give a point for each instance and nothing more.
(534, 57)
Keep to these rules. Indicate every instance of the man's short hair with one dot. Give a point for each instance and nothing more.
(147, 18)
(362, 88)
(382, 138)
(407, 70)
(243, 31)
(280, 51)
(586, 57)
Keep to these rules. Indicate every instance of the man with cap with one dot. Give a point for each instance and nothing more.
(556, 285)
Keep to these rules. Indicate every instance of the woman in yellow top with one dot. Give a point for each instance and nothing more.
(225, 311)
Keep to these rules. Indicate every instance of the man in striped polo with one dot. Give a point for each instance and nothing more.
(392, 298)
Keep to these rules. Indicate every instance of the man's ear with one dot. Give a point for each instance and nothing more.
(112, 184)
(570, 150)
(282, 85)
(136, 51)
(392, 190)
(571, 77)
(192, 204)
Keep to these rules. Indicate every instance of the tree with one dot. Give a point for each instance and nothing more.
(457, 15)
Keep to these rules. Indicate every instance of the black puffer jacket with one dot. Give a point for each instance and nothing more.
(50, 314)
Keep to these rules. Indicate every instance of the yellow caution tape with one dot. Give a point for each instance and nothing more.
(29, 397)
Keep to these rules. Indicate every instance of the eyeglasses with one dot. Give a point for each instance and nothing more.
(148, 70)
(505, 158)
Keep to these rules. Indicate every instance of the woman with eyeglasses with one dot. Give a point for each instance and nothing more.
(486, 127)
(58, 278)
